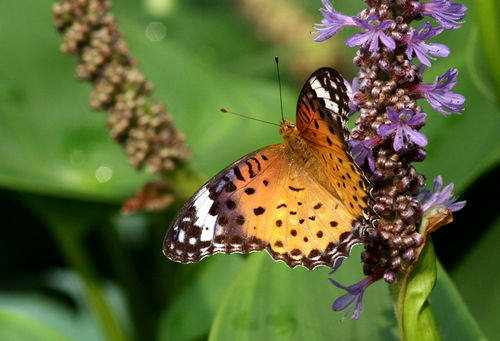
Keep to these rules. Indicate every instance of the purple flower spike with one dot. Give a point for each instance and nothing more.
(440, 196)
(374, 32)
(449, 15)
(402, 124)
(353, 300)
(363, 151)
(439, 96)
(423, 51)
(331, 23)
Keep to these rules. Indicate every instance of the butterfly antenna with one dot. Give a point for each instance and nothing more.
(250, 118)
(276, 59)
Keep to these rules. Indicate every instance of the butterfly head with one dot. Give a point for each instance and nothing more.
(288, 129)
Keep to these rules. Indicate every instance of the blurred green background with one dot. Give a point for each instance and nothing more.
(72, 267)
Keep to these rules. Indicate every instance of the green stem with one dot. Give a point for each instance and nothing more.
(68, 237)
(75, 255)
(184, 181)
(129, 278)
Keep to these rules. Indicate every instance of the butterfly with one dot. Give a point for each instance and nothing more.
(304, 201)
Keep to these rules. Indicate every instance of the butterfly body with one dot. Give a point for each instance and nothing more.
(303, 200)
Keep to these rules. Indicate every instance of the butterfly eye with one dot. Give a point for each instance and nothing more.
(290, 126)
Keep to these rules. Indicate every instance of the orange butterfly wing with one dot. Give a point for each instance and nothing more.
(262, 201)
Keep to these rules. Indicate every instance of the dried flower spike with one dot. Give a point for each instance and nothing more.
(137, 120)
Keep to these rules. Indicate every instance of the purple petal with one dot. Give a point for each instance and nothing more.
(386, 129)
(331, 23)
(416, 137)
(385, 25)
(427, 32)
(338, 285)
(343, 302)
(457, 206)
(336, 265)
(446, 192)
(421, 56)
(448, 80)
(353, 299)
(372, 21)
(387, 41)
(417, 119)
(438, 50)
(358, 39)
(371, 163)
(438, 183)
(359, 307)
(399, 139)
(409, 51)
(392, 114)
(362, 23)
(328, 6)
(446, 103)
(374, 41)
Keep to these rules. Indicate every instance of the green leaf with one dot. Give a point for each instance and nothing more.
(268, 301)
(489, 29)
(454, 320)
(478, 280)
(418, 322)
(191, 313)
(33, 317)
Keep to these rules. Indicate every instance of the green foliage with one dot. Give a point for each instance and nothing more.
(478, 281)
(191, 313)
(262, 304)
(52, 145)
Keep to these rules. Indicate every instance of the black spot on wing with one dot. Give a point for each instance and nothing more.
(238, 174)
(256, 161)
(259, 210)
(249, 190)
(250, 169)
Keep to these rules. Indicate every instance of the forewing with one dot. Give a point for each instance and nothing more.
(322, 109)
(322, 114)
